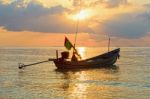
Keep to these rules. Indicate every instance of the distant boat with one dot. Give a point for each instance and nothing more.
(103, 60)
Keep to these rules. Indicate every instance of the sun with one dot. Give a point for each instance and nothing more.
(81, 15)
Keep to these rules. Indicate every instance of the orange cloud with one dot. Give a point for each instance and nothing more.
(32, 39)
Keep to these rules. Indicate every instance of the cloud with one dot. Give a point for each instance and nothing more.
(32, 16)
(141, 42)
(127, 25)
(115, 3)
(105, 3)
(147, 5)
(6, 2)
(16, 18)
(36, 39)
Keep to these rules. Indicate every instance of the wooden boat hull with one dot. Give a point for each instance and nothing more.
(104, 60)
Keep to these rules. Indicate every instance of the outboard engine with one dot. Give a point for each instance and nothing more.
(64, 55)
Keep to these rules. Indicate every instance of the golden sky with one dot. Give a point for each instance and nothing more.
(46, 22)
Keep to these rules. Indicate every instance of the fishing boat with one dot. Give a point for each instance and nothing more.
(103, 60)
(107, 59)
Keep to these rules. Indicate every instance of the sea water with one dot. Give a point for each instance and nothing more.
(128, 79)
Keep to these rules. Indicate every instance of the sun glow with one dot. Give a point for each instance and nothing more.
(82, 15)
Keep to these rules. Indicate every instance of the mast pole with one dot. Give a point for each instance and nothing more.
(109, 44)
(77, 26)
(76, 32)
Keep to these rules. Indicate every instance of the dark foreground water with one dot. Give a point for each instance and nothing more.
(130, 79)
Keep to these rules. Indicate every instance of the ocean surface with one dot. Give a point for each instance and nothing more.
(129, 79)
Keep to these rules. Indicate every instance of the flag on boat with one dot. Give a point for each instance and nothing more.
(67, 44)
